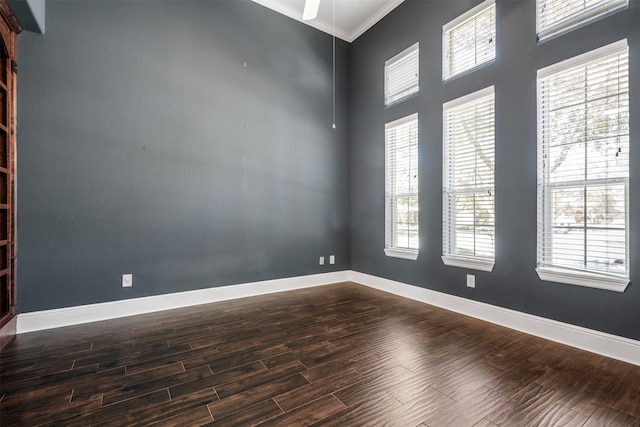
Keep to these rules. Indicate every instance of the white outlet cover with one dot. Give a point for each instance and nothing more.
(127, 280)
(321, 260)
(471, 281)
(332, 259)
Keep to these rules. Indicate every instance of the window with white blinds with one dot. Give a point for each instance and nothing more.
(583, 169)
(555, 16)
(469, 41)
(401, 188)
(401, 75)
(468, 178)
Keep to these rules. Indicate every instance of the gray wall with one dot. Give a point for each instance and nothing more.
(147, 147)
(513, 283)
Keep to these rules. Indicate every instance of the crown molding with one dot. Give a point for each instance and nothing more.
(326, 27)
(381, 13)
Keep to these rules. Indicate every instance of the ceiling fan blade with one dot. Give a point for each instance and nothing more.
(310, 10)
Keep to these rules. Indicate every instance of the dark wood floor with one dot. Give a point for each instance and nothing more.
(338, 355)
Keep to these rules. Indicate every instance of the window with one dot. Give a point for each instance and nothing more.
(583, 169)
(555, 16)
(401, 75)
(401, 188)
(468, 178)
(469, 41)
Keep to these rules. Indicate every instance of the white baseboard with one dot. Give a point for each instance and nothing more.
(609, 345)
(48, 319)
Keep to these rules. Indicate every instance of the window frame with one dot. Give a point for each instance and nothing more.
(546, 271)
(449, 257)
(413, 84)
(391, 248)
(576, 20)
(465, 18)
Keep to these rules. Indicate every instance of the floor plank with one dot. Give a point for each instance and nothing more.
(307, 414)
(252, 415)
(469, 410)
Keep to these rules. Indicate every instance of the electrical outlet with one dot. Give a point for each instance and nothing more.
(127, 280)
(321, 260)
(471, 281)
(332, 259)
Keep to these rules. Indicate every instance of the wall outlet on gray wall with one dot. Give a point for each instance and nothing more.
(321, 260)
(471, 281)
(332, 259)
(127, 280)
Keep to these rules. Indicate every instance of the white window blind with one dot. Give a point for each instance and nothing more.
(401, 186)
(469, 41)
(554, 16)
(468, 178)
(583, 168)
(401, 75)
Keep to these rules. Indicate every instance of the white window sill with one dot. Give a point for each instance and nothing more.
(599, 281)
(471, 263)
(402, 253)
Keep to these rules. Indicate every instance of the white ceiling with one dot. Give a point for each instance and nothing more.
(353, 17)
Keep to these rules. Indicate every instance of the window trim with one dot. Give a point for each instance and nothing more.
(580, 278)
(393, 251)
(592, 279)
(393, 99)
(468, 262)
(448, 27)
(580, 19)
(452, 259)
(410, 254)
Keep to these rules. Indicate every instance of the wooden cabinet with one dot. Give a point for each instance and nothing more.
(9, 27)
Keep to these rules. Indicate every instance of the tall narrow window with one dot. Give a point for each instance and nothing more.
(468, 177)
(583, 169)
(401, 75)
(469, 41)
(401, 188)
(556, 16)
